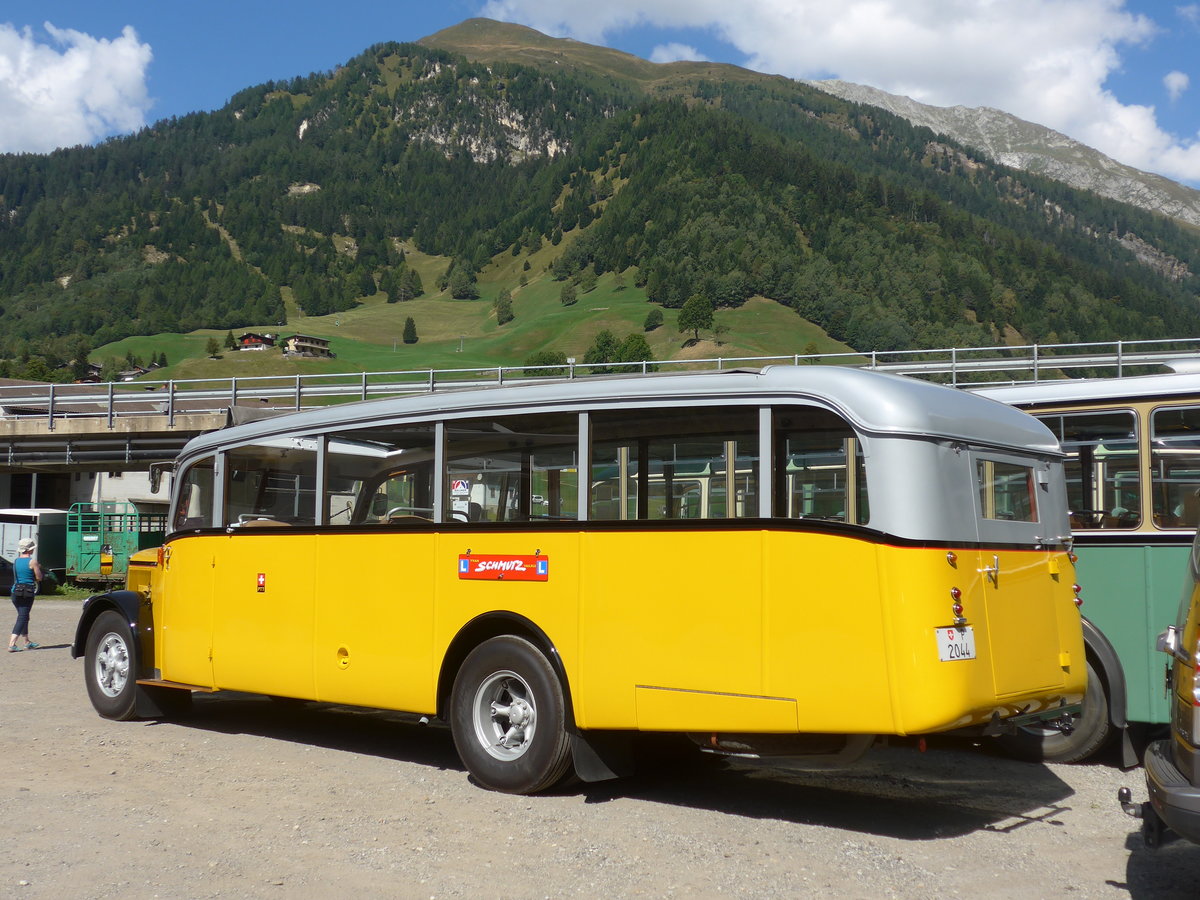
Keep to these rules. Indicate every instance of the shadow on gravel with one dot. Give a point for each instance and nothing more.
(894, 791)
(387, 735)
(1172, 872)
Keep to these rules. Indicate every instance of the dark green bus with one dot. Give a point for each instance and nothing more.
(1133, 486)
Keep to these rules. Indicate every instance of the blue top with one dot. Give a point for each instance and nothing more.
(23, 570)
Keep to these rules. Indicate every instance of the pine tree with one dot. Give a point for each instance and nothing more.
(504, 307)
(410, 331)
(411, 282)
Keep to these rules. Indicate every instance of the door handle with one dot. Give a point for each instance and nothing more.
(992, 571)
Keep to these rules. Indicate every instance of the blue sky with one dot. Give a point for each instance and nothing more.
(1119, 75)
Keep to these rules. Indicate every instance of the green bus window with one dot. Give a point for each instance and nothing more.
(1175, 466)
(272, 483)
(379, 475)
(674, 464)
(1104, 485)
(512, 468)
(820, 471)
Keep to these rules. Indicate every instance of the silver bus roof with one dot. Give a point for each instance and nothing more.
(874, 402)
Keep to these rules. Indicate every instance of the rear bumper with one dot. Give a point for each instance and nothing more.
(1174, 798)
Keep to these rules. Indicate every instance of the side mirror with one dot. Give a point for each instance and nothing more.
(156, 474)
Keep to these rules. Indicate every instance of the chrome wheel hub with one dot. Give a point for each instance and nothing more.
(112, 665)
(504, 715)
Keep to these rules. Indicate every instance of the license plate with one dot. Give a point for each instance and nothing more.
(956, 643)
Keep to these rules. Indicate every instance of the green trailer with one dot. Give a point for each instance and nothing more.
(102, 536)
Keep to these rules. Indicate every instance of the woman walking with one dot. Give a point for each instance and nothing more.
(26, 575)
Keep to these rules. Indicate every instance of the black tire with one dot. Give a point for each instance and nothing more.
(508, 717)
(110, 667)
(1093, 731)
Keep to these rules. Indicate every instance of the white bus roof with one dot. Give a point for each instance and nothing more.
(1080, 390)
(874, 402)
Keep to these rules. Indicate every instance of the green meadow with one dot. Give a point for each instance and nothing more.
(464, 333)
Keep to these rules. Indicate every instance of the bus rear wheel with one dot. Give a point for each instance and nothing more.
(109, 667)
(508, 717)
(1091, 734)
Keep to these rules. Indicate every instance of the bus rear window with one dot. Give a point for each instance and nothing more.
(1006, 491)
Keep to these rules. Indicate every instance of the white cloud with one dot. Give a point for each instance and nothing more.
(1042, 60)
(74, 90)
(674, 52)
(1190, 13)
(1176, 83)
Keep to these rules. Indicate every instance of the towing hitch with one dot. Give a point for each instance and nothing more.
(1060, 718)
(1153, 828)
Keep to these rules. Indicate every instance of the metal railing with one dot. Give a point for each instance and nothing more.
(1030, 362)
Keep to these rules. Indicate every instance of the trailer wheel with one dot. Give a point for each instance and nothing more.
(109, 666)
(508, 717)
(1092, 732)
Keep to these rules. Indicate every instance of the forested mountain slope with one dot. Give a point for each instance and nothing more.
(690, 179)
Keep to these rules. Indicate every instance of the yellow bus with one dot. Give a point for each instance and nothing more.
(787, 563)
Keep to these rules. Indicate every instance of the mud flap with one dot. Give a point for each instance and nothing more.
(602, 755)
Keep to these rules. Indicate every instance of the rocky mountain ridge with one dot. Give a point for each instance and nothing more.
(1030, 147)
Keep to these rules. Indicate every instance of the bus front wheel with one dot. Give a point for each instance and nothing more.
(508, 717)
(109, 666)
(1091, 734)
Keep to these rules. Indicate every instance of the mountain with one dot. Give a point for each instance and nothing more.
(1033, 148)
(489, 178)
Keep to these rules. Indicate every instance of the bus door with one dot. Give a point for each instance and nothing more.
(658, 624)
(375, 585)
(1017, 577)
(183, 609)
(263, 596)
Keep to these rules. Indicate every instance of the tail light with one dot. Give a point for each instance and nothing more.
(1077, 589)
(956, 606)
(1195, 678)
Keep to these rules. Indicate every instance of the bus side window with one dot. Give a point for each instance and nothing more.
(1103, 475)
(194, 506)
(512, 468)
(1175, 466)
(272, 483)
(379, 475)
(820, 471)
(675, 464)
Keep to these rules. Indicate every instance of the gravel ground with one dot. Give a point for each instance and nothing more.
(249, 798)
